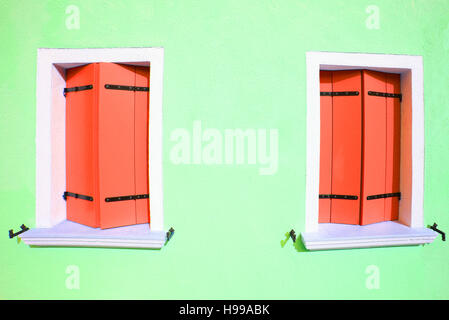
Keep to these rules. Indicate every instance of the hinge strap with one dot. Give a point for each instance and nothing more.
(337, 196)
(434, 228)
(384, 195)
(385, 95)
(23, 229)
(132, 197)
(77, 196)
(339, 93)
(75, 89)
(129, 88)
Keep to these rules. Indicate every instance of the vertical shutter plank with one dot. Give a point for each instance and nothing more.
(325, 147)
(393, 85)
(80, 153)
(141, 144)
(346, 147)
(116, 146)
(374, 147)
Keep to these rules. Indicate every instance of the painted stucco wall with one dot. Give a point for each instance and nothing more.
(228, 65)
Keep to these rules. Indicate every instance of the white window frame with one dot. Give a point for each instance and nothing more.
(50, 126)
(412, 146)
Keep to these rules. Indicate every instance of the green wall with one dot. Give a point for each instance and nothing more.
(230, 64)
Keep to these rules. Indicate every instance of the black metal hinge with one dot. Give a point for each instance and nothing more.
(75, 89)
(292, 235)
(123, 198)
(384, 195)
(339, 93)
(12, 234)
(385, 95)
(337, 196)
(169, 234)
(434, 228)
(76, 195)
(129, 88)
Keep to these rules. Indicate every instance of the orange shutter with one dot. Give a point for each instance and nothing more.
(381, 147)
(393, 85)
(346, 146)
(107, 145)
(325, 146)
(340, 146)
(141, 121)
(359, 146)
(374, 147)
(80, 153)
(116, 145)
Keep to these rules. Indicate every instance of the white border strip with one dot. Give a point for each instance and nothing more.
(93, 243)
(387, 242)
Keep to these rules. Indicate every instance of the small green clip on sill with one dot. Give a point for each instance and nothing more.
(289, 235)
(298, 245)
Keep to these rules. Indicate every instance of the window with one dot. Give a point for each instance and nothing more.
(370, 157)
(97, 142)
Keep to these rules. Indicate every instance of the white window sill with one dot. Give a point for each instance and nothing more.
(71, 234)
(382, 234)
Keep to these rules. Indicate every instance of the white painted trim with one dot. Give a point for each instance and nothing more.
(417, 218)
(411, 70)
(387, 233)
(155, 142)
(313, 142)
(50, 171)
(358, 243)
(82, 242)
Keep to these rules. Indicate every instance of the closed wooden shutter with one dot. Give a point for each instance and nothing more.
(346, 146)
(381, 151)
(359, 146)
(341, 138)
(107, 145)
(325, 146)
(81, 168)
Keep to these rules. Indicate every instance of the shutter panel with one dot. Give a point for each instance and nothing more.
(393, 85)
(381, 152)
(116, 161)
(374, 147)
(141, 143)
(346, 147)
(359, 146)
(107, 145)
(80, 152)
(325, 146)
